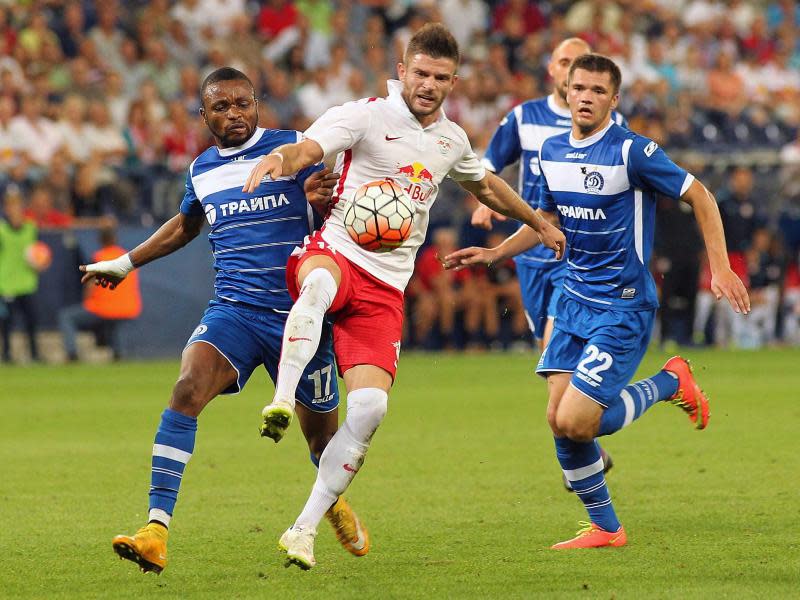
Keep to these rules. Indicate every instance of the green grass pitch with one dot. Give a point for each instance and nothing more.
(461, 490)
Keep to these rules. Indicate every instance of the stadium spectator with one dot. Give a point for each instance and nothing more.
(741, 210)
(766, 267)
(500, 294)
(439, 296)
(275, 16)
(11, 150)
(37, 135)
(107, 35)
(103, 310)
(41, 211)
(19, 277)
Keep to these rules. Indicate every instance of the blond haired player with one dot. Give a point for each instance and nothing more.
(407, 137)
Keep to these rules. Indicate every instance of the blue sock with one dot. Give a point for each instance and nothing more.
(583, 467)
(314, 459)
(636, 399)
(172, 449)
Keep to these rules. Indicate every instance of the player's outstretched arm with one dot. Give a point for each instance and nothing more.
(522, 239)
(172, 235)
(497, 195)
(284, 160)
(724, 282)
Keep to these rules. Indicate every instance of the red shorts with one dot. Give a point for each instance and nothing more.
(367, 313)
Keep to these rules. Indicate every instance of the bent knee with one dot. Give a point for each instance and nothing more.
(573, 427)
(188, 397)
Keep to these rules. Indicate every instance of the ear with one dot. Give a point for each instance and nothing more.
(401, 71)
(615, 101)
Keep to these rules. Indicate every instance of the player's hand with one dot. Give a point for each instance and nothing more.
(319, 189)
(728, 284)
(483, 215)
(553, 238)
(271, 164)
(461, 259)
(107, 273)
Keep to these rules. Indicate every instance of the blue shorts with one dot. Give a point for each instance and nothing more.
(602, 348)
(249, 338)
(541, 289)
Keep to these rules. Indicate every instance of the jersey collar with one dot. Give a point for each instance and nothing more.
(561, 112)
(395, 88)
(248, 144)
(591, 139)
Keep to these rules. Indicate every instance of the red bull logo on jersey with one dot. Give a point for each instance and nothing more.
(582, 212)
(421, 180)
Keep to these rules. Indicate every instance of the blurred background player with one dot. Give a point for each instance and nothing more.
(399, 136)
(103, 310)
(601, 181)
(440, 294)
(518, 139)
(251, 236)
(19, 272)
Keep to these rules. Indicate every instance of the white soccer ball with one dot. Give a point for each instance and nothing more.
(379, 216)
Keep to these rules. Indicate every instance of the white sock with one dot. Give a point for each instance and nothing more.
(303, 329)
(344, 454)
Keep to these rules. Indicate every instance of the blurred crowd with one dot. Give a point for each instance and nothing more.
(99, 106)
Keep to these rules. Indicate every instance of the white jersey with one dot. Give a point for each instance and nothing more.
(379, 138)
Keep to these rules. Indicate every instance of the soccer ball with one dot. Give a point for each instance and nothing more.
(38, 256)
(379, 216)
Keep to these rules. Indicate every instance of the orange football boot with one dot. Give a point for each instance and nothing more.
(591, 536)
(348, 528)
(147, 548)
(689, 395)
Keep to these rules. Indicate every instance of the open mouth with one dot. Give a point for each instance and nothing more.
(585, 112)
(425, 100)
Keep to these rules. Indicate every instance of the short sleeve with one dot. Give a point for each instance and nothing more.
(468, 167)
(190, 205)
(544, 198)
(340, 127)
(650, 168)
(504, 147)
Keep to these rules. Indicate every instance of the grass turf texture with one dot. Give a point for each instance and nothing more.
(461, 490)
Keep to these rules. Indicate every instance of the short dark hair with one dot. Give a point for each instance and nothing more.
(434, 40)
(224, 74)
(597, 63)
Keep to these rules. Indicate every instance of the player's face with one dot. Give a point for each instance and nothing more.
(560, 62)
(426, 83)
(591, 98)
(231, 112)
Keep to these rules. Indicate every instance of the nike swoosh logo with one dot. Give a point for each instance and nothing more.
(297, 339)
(391, 139)
(349, 468)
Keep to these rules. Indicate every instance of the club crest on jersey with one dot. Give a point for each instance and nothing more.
(199, 330)
(593, 182)
(211, 213)
(444, 145)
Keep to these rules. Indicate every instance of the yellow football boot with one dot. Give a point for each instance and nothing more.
(147, 548)
(349, 531)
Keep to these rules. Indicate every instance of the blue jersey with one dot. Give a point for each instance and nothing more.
(519, 138)
(252, 235)
(604, 189)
